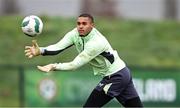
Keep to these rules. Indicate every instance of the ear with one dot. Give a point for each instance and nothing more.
(92, 24)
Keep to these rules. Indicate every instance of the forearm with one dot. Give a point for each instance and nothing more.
(65, 66)
(79, 61)
(52, 50)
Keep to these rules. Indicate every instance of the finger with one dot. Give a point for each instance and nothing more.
(42, 68)
(27, 51)
(46, 68)
(34, 43)
(28, 47)
(28, 54)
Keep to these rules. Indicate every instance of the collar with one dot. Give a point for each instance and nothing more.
(89, 35)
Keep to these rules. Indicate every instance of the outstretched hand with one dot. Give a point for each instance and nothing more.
(32, 51)
(46, 68)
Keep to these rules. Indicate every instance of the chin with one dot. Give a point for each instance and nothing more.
(81, 35)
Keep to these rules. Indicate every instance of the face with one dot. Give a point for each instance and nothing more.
(84, 26)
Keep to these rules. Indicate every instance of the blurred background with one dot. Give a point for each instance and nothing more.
(146, 34)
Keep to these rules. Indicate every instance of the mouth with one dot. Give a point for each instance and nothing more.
(81, 31)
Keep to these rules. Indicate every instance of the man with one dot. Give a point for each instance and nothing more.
(94, 49)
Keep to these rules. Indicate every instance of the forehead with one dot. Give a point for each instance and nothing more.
(83, 19)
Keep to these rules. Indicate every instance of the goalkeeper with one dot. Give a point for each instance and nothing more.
(94, 49)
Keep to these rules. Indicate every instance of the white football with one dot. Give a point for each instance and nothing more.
(32, 25)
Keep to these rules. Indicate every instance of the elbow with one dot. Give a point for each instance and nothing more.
(74, 66)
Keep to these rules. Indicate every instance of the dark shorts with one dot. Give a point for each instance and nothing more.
(119, 85)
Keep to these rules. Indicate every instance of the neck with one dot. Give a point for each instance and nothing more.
(84, 35)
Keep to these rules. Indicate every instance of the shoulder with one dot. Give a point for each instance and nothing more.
(98, 36)
(72, 32)
(98, 39)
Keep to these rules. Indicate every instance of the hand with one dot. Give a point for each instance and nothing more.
(47, 68)
(32, 51)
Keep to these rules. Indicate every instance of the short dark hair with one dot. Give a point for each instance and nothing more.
(87, 15)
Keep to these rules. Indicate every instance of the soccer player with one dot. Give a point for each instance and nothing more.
(94, 49)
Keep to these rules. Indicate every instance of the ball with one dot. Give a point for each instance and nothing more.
(32, 25)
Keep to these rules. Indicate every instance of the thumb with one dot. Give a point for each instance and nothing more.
(34, 43)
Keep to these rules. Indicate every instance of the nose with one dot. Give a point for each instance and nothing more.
(80, 26)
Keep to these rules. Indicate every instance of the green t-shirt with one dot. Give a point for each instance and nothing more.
(93, 49)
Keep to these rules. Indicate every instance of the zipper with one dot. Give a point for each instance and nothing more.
(83, 42)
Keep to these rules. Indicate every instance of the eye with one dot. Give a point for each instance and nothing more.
(84, 23)
(78, 23)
